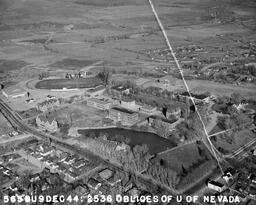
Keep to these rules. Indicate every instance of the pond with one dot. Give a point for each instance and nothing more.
(154, 142)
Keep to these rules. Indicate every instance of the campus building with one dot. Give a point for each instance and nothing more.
(147, 109)
(118, 91)
(49, 124)
(99, 104)
(126, 117)
(169, 124)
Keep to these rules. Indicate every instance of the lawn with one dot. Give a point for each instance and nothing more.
(229, 143)
(69, 63)
(9, 65)
(68, 83)
(182, 156)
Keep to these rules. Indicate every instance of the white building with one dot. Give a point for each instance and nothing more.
(217, 186)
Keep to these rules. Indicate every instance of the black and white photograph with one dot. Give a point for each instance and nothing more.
(128, 102)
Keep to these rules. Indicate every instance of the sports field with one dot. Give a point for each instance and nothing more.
(68, 83)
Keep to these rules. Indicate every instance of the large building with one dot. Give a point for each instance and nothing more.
(99, 104)
(156, 121)
(118, 91)
(14, 92)
(126, 117)
(48, 124)
(128, 104)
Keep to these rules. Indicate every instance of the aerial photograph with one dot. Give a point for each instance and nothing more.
(128, 102)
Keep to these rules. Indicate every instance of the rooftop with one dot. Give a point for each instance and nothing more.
(98, 101)
(216, 183)
(123, 110)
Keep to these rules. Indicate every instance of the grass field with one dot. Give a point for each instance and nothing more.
(182, 156)
(79, 115)
(229, 144)
(9, 65)
(68, 83)
(71, 64)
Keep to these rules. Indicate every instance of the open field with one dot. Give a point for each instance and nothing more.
(230, 143)
(79, 115)
(71, 64)
(68, 83)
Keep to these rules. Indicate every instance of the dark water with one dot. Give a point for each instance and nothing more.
(154, 142)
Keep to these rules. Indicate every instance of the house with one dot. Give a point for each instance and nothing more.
(122, 147)
(47, 123)
(99, 104)
(126, 117)
(217, 186)
(106, 174)
(93, 184)
(82, 190)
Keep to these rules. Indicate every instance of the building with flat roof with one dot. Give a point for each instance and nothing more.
(126, 117)
(99, 104)
(14, 92)
(217, 186)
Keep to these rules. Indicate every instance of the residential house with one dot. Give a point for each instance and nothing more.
(106, 174)
(93, 184)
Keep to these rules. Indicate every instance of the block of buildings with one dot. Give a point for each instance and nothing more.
(125, 116)
(14, 92)
(99, 104)
(48, 124)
